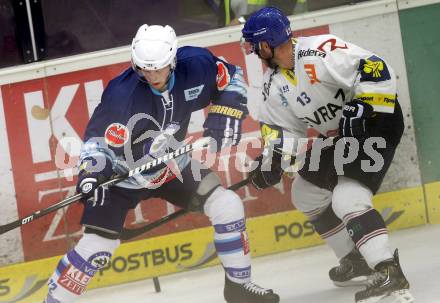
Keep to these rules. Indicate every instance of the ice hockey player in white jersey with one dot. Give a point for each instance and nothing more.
(343, 91)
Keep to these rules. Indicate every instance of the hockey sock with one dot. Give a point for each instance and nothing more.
(352, 202)
(225, 210)
(78, 266)
(315, 203)
(369, 233)
(332, 230)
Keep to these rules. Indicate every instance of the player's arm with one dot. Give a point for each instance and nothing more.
(102, 140)
(281, 132)
(228, 102)
(269, 169)
(279, 152)
(374, 95)
(371, 80)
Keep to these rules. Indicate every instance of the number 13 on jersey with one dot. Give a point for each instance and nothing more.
(303, 99)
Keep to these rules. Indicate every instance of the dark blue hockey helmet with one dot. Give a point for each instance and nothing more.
(267, 24)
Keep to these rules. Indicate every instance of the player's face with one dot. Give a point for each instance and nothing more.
(283, 56)
(265, 53)
(158, 79)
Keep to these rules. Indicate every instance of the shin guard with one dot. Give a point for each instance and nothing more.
(77, 268)
(226, 212)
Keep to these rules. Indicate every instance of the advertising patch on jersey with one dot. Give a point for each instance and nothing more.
(311, 52)
(374, 69)
(330, 45)
(116, 135)
(193, 93)
(223, 78)
(310, 70)
(289, 75)
(382, 103)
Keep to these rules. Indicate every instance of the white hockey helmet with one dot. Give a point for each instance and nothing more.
(154, 47)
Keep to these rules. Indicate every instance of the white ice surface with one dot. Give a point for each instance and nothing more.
(299, 276)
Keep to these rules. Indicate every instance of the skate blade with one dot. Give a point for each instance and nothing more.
(403, 296)
(399, 296)
(358, 281)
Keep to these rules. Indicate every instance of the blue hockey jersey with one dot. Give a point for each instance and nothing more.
(130, 108)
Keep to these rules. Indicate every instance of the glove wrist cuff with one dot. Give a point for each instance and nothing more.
(227, 111)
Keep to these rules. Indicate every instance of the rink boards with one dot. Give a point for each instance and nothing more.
(188, 250)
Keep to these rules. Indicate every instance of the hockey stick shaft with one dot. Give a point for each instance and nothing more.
(202, 143)
(128, 234)
(39, 213)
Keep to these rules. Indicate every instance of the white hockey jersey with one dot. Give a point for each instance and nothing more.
(328, 73)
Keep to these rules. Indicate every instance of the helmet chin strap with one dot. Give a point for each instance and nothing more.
(293, 54)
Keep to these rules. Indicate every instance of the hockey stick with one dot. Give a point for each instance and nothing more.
(200, 144)
(128, 234)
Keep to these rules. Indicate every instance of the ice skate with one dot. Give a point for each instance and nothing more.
(388, 286)
(352, 271)
(248, 293)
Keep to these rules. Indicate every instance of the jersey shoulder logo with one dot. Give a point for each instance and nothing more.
(223, 78)
(373, 69)
(116, 134)
(193, 92)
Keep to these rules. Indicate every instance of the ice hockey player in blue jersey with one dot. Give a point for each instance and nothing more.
(145, 111)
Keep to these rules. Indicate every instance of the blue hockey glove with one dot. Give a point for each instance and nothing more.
(354, 118)
(94, 171)
(223, 124)
(267, 173)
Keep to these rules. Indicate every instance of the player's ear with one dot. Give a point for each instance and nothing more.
(264, 45)
(265, 49)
